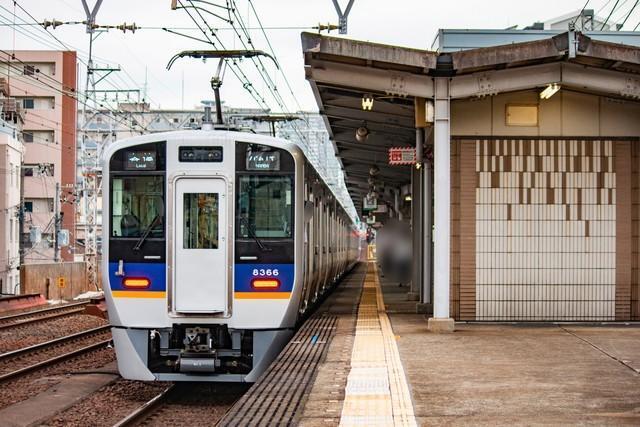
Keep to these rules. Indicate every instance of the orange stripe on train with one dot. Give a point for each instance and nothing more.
(262, 295)
(138, 294)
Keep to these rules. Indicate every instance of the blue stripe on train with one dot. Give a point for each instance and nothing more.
(244, 273)
(155, 272)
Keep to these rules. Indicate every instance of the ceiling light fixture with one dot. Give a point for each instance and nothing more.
(367, 102)
(549, 91)
(362, 133)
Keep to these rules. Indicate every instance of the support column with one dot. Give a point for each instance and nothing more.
(441, 322)
(416, 229)
(427, 247)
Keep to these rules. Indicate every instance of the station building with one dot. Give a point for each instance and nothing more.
(529, 142)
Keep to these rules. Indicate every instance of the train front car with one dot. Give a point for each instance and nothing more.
(199, 251)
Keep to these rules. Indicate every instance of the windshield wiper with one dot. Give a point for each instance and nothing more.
(253, 235)
(146, 233)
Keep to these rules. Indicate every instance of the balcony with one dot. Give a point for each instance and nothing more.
(4, 87)
(10, 111)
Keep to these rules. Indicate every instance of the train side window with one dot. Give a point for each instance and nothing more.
(200, 217)
(137, 205)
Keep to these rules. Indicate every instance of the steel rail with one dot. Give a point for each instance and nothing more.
(53, 342)
(52, 361)
(142, 412)
(41, 315)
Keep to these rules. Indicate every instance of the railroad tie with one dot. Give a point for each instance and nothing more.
(276, 397)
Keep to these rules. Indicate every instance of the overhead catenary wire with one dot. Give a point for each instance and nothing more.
(629, 14)
(49, 44)
(71, 95)
(237, 71)
(232, 7)
(609, 16)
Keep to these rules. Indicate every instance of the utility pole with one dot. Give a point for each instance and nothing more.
(342, 16)
(91, 183)
(21, 216)
(89, 168)
(57, 224)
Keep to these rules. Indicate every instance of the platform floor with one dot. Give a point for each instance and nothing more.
(483, 374)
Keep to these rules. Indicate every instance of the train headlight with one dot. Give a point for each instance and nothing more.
(136, 282)
(265, 283)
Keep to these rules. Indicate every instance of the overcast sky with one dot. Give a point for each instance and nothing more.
(412, 23)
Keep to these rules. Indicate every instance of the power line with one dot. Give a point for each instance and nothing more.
(629, 14)
(151, 27)
(237, 71)
(63, 92)
(580, 14)
(31, 16)
(610, 13)
(39, 39)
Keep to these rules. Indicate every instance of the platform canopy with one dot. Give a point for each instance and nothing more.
(344, 72)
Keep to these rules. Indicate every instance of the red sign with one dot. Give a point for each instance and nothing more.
(402, 156)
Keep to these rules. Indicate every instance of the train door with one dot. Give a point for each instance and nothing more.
(200, 243)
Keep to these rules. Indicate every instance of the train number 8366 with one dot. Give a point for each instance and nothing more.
(268, 272)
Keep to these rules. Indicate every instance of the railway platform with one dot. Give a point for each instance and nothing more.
(364, 360)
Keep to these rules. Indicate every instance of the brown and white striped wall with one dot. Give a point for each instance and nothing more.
(545, 228)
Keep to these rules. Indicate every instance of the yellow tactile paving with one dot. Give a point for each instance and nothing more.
(377, 393)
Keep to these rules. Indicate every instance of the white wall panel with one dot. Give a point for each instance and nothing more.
(545, 230)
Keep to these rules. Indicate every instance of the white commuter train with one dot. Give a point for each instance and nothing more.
(215, 245)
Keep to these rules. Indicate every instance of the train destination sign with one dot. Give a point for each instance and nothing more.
(140, 160)
(263, 161)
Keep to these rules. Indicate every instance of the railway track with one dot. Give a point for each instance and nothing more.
(143, 412)
(186, 404)
(35, 357)
(29, 317)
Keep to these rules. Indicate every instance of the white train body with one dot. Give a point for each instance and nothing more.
(215, 245)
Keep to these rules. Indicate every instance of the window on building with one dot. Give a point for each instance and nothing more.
(27, 136)
(28, 206)
(99, 119)
(46, 169)
(29, 70)
(28, 103)
(175, 120)
(41, 169)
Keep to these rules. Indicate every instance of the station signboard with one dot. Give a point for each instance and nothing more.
(369, 203)
(402, 156)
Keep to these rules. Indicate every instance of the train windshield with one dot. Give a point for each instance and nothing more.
(137, 206)
(265, 207)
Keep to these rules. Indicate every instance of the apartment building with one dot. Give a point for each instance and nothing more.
(11, 152)
(44, 83)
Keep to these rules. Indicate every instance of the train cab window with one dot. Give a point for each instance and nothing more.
(200, 218)
(137, 206)
(265, 206)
